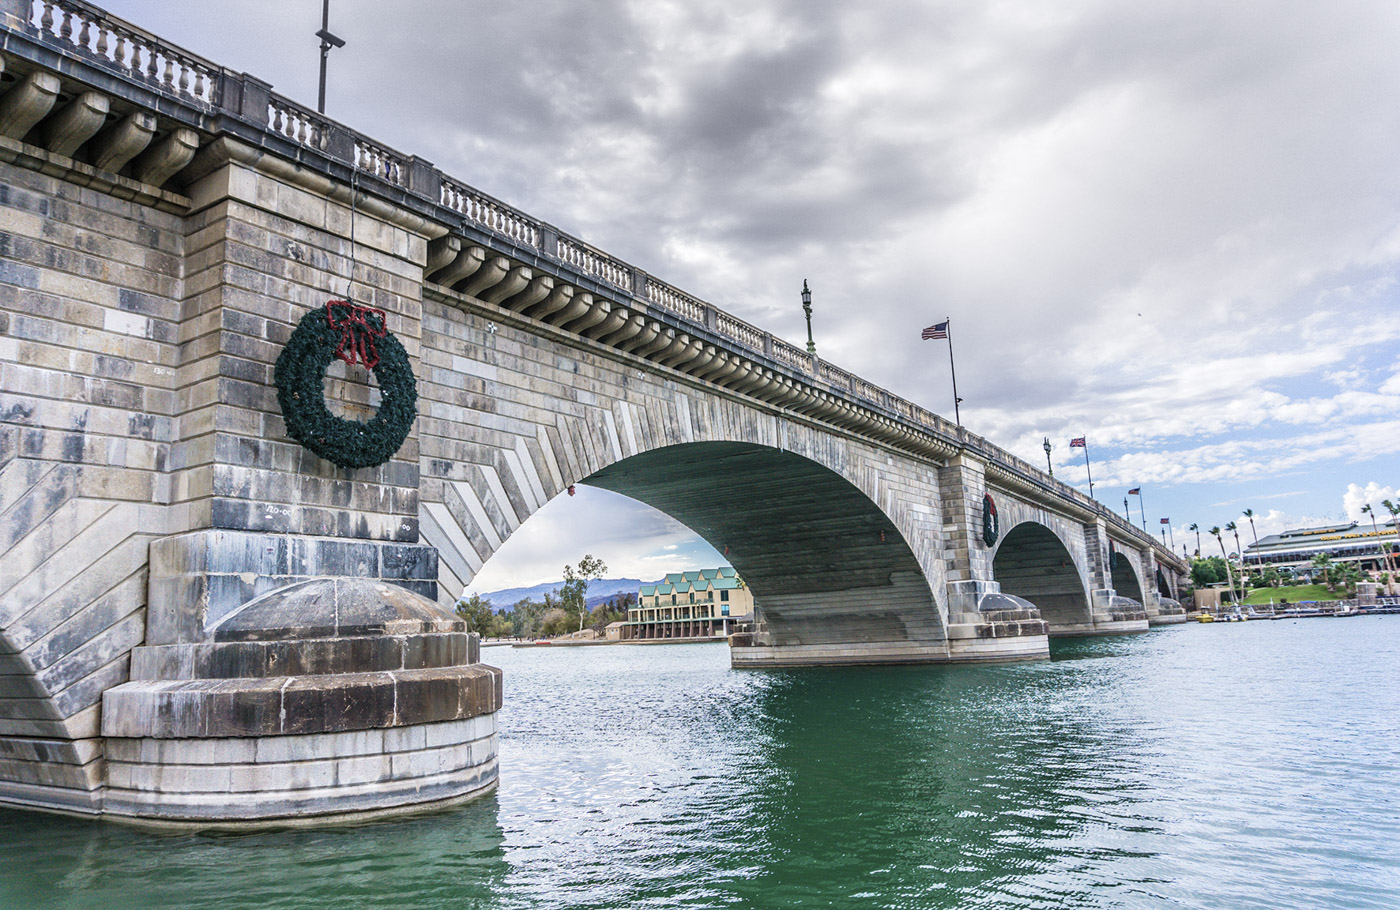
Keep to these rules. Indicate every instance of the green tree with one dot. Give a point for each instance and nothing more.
(611, 611)
(525, 618)
(1322, 562)
(1394, 511)
(1350, 576)
(574, 592)
(556, 621)
(1204, 573)
(500, 625)
(1197, 528)
(477, 612)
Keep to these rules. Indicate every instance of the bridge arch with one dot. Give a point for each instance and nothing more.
(826, 564)
(1033, 562)
(1164, 587)
(1125, 577)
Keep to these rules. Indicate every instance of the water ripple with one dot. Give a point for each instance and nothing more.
(1251, 765)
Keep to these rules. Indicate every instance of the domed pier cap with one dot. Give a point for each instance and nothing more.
(335, 608)
(995, 600)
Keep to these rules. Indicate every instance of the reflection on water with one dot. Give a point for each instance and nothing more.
(1249, 765)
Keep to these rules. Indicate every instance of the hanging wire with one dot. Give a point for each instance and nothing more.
(354, 195)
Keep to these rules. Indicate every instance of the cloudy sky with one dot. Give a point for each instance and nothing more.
(1173, 227)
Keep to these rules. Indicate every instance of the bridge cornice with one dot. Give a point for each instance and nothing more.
(240, 119)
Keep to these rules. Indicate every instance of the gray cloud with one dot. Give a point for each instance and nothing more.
(1042, 173)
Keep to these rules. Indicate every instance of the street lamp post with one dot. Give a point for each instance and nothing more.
(328, 41)
(807, 308)
(1048, 465)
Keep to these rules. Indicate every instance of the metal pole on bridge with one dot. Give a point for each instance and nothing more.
(328, 41)
(942, 330)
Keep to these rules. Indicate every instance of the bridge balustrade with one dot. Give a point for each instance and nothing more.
(200, 86)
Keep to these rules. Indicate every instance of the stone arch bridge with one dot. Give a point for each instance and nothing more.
(166, 223)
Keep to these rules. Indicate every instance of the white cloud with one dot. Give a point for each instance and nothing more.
(1371, 494)
(1170, 227)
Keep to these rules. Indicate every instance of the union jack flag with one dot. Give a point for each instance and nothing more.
(936, 331)
(1135, 491)
(1077, 442)
(1166, 521)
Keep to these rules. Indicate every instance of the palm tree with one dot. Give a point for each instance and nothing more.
(1197, 528)
(1249, 513)
(1233, 530)
(1385, 551)
(1323, 563)
(1394, 511)
(1215, 532)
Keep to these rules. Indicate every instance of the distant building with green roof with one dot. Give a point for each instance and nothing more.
(704, 603)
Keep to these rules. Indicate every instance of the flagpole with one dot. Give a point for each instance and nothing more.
(957, 414)
(1141, 511)
(1086, 467)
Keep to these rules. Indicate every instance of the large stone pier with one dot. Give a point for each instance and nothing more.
(202, 622)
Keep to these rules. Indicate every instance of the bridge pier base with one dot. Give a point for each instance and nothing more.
(985, 642)
(1109, 615)
(326, 700)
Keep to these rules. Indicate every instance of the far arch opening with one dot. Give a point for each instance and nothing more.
(826, 565)
(1032, 562)
(1124, 577)
(1164, 588)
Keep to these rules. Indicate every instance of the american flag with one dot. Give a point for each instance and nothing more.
(936, 331)
(1135, 491)
(1077, 442)
(1166, 521)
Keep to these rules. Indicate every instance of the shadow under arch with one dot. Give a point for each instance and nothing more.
(1032, 562)
(825, 563)
(1124, 577)
(1164, 588)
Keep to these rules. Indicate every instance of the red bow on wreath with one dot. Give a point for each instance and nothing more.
(359, 326)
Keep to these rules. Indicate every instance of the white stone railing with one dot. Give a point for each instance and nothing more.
(138, 54)
(739, 330)
(594, 262)
(676, 301)
(486, 212)
(792, 356)
(291, 120)
(380, 162)
(135, 55)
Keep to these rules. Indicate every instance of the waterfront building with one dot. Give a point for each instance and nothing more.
(1350, 542)
(706, 603)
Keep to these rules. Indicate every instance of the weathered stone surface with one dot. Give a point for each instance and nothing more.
(147, 480)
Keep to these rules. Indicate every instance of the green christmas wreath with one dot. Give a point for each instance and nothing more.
(991, 522)
(355, 334)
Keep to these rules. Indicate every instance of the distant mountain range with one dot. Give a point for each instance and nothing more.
(598, 591)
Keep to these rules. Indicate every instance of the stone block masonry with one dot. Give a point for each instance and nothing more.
(163, 228)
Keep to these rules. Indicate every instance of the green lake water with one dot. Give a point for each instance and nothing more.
(1227, 766)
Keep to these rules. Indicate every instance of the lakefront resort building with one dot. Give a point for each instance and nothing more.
(1351, 542)
(706, 603)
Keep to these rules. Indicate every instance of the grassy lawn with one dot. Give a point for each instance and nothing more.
(1294, 594)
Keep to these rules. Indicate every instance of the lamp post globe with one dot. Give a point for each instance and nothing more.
(807, 310)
